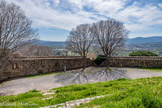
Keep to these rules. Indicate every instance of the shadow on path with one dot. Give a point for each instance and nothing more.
(90, 76)
(110, 74)
(72, 77)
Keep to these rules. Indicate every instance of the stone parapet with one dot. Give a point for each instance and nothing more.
(40, 65)
(33, 66)
(143, 62)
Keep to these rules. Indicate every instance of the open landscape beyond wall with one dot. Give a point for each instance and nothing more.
(33, 66)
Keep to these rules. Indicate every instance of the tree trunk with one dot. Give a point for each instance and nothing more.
(108, 63)
(84, 59)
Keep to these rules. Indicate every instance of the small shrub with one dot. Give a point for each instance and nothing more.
(122, 79)
(100, 59)
(142, 53)
(34, 90)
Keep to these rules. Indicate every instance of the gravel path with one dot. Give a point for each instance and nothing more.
(90, 75)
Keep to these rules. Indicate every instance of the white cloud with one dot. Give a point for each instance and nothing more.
(160, 5)
(45, 14)
(56, 2)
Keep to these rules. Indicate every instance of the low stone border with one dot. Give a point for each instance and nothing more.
(71, 104)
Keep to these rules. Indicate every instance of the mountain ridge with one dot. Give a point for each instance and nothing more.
(141, 40)
(137, 40)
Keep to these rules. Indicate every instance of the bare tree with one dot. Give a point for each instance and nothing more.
(110, 34)
(15, 31)
(80, 40)
(36, 50)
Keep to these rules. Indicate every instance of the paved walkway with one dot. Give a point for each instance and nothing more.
(90, 75)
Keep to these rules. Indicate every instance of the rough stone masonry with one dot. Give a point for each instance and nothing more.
(32, 66)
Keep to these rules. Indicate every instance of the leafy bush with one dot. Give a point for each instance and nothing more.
(142, 53)
(100, 59)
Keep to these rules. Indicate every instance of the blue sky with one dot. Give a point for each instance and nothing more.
(55, 18)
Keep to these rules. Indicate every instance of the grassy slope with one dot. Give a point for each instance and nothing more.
(142, 93)
(154, 69)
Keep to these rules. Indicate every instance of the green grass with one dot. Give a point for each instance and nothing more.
(124, 93)
(89, 72)
(154, 69)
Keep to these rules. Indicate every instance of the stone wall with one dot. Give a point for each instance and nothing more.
(145, 62)
(32, 66)
(52, 57)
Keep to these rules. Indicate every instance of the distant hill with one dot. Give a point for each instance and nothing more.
(155, 46)
(141, 40)
(41, 42)
(52, 44)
